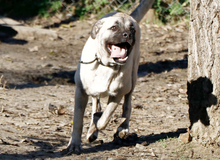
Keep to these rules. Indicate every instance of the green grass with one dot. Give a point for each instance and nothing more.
(172, 12)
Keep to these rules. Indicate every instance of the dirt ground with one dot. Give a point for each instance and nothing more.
(37, 99)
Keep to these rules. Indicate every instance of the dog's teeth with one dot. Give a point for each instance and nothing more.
(123, 59)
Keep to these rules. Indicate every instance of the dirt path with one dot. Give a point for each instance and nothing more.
(39, 84)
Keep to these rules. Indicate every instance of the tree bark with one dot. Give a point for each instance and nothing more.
(204, 71)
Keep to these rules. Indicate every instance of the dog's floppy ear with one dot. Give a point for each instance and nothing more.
(96, 27)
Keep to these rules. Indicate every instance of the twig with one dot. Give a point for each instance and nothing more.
(2, 110)
(7, 143)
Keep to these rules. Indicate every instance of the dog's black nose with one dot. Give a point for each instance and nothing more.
(125, 34)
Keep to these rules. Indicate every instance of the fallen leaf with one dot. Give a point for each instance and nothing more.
(61, 110)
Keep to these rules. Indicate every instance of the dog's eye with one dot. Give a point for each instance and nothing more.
(114, 28)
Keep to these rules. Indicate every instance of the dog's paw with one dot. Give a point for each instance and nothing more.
(72, 149)
(93, 136)
(120, 136)
(122, 133)
(127, 139)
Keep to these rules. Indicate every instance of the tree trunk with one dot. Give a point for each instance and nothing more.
(204, 71)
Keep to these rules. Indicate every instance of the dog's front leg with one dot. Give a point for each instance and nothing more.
(93, 132)
(107, 114)
(123, 129)
(81, 99)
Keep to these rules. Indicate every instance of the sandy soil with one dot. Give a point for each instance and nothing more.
(37, 99)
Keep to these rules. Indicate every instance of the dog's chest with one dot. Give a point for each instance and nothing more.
(105, 81)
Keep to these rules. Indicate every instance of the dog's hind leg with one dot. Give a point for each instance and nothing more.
(123, 129)
(93, 132)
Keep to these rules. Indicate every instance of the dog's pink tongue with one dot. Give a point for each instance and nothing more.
(118, 52)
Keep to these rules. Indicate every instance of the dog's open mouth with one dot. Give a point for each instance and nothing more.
(119, 52)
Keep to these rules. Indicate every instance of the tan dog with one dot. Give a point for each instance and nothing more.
(108, 67)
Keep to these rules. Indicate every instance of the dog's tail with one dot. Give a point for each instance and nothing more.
(141, 9)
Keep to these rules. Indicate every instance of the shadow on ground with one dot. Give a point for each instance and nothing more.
(133, 139)
(6, 36)
(47, 148)
(33, 79)
(161, 66)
